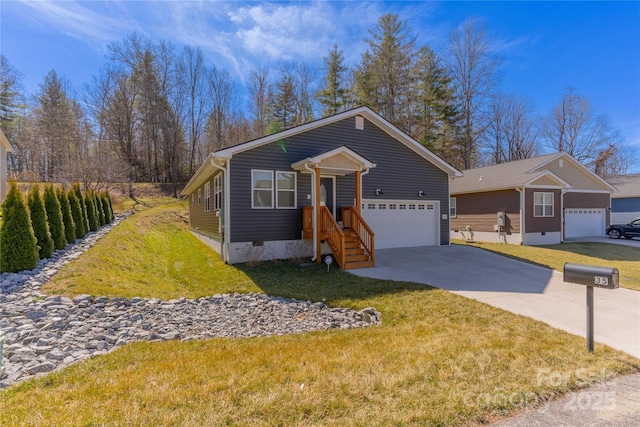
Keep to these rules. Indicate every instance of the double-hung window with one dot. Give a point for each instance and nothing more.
(207, 196)
(542, 204)
(452, 207)
(199, 196)
(286, 190)
(218, 182)
(261, 189)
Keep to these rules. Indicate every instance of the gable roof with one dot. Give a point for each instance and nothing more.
(339, 161)
(216, 160)
(5, 142)
(627, 185)
(516, 174)
(365, 112)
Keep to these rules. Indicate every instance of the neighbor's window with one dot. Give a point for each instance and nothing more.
(261, 189)
(217, 191)
(207, 196)
(542, 204)
(286, 190)
(199, 196)
(452, 207)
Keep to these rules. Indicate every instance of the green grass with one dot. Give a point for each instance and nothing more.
(437, 358)
(625, 258)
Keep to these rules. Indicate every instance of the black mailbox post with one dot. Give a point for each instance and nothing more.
(590, 276)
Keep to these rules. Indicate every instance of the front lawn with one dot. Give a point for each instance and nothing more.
(625, 258)
(437, 358)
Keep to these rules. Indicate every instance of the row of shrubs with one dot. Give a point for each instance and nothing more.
(33, 228)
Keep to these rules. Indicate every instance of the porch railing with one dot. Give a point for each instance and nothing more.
(351, 219)
(332, 234)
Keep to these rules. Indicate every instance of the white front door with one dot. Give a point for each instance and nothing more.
(403, 223)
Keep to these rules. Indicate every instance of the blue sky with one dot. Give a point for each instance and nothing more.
(547, 47)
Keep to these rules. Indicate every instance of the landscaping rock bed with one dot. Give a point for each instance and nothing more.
(47, 333)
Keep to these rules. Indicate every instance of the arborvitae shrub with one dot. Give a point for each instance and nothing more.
(76, 213)
(18, 245)
(39, 223)
(91, 212)
(67, 216)
(83, 206)
(113, 215)
(99, 211)
(105, 208)
(54, 217)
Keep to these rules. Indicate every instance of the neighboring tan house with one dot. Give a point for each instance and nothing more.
(346, 184)
(5, 148)
(625, 204)
(538, 201)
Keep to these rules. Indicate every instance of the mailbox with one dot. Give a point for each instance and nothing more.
(590, 275)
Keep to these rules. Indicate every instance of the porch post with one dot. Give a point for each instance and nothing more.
(318, 216)
(358, 191)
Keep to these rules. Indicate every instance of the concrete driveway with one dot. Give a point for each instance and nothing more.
(635, 242)
(515, 286)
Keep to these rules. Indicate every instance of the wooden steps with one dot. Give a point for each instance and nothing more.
(355, 254)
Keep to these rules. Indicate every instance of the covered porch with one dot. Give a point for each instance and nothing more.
(351, 240)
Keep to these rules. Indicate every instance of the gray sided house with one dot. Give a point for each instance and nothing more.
(346, 184)
(5, 148)
(538, 201)
(625, 204)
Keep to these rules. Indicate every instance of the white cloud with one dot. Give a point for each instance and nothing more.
(81, 20)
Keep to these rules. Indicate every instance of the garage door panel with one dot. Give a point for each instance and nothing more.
(584, 222)
(402, 223)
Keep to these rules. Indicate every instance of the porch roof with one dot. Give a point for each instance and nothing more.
(339, 161)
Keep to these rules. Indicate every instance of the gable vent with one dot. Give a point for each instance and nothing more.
(360, 122)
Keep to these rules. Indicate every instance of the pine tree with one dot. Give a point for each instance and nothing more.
(334, 96)
(91, 211)
(54, 217)
(83, 207)
(39, 223)
(76, 213)
(67, 216)
(18, 245)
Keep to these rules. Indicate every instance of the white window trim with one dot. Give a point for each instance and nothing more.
(253, 189)
(199, 196)
(289, 190)
(207, 196)
(544, 205)
(453, 213)
(218, 201)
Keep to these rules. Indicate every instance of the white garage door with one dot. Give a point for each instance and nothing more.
(402, 223)
(584, 222)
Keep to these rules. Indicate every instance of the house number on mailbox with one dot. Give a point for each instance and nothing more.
(599, 280)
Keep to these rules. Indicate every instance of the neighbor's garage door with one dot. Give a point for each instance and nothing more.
(402, 223)
(584, 222)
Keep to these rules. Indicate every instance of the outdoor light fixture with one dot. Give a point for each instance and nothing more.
(379, 192)
(420, 193)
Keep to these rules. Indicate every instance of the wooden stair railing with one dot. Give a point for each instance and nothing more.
(352, 220)
(332, 234)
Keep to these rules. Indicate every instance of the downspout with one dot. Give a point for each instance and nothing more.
(314, 210)
(227, 227)
(363, 173)
(562, 224)
(522, 213)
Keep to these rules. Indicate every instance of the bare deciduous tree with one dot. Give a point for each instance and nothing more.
(473, 65)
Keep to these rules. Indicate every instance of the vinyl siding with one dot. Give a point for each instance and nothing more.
(207, 223)
(480, 210)
(534, 224)
(400, 173)
(631, 204)
(577, 177)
